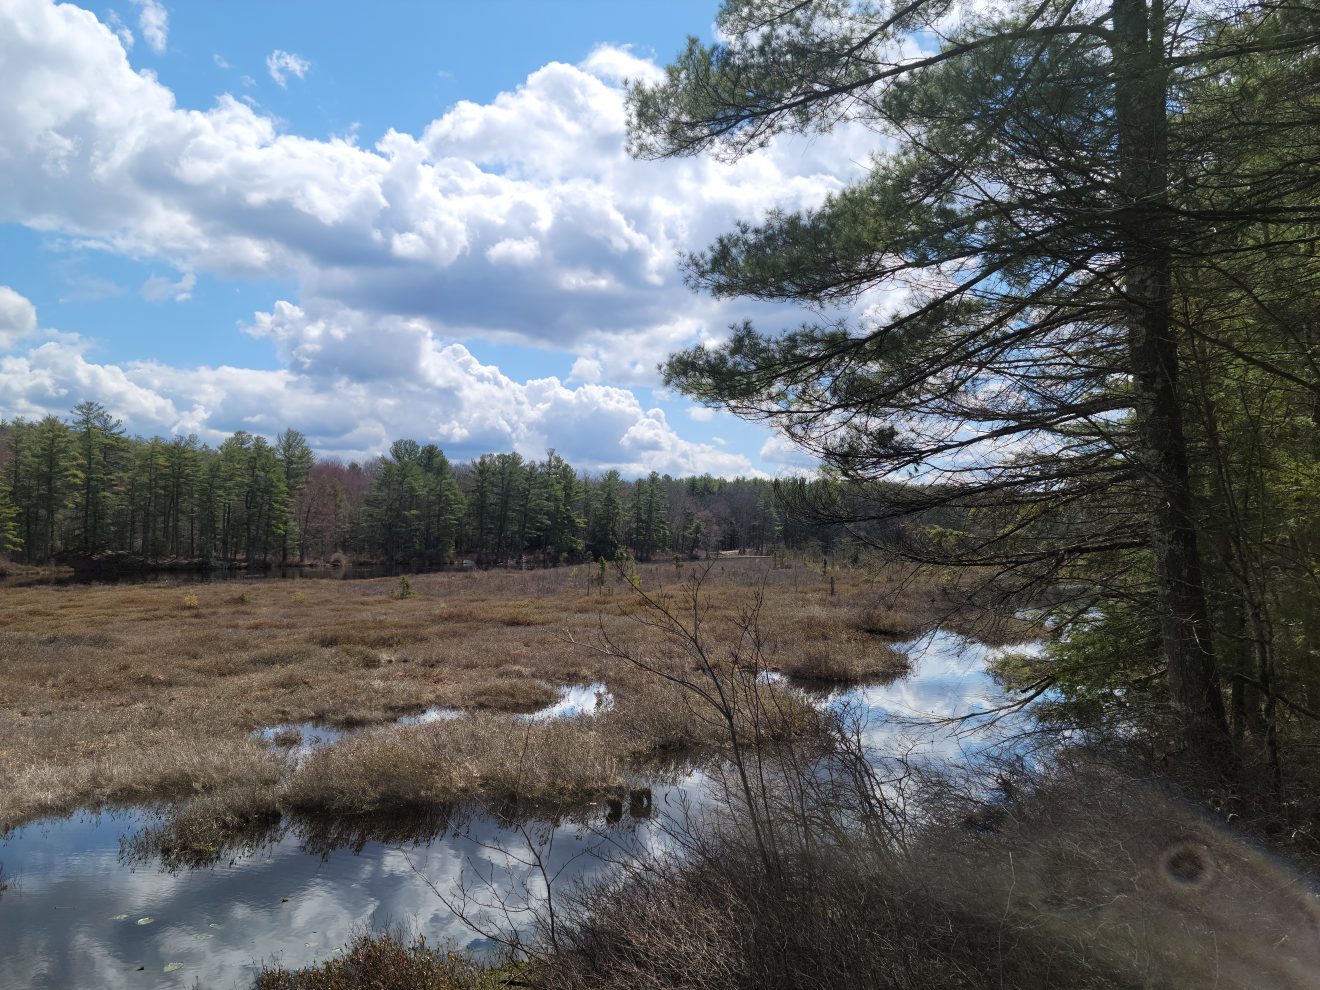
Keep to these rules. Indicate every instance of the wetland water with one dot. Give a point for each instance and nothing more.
(90, 905)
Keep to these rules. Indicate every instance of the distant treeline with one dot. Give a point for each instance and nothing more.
(82, 491)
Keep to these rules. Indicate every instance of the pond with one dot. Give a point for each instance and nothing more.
(91, 904)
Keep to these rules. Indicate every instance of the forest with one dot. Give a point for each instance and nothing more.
(82, 491)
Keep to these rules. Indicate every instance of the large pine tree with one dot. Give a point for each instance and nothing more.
(1044, 177)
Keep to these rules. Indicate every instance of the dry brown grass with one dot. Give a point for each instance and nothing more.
(384, 962)
(113, 694)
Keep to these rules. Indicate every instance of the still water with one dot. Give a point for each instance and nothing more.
(89, 904)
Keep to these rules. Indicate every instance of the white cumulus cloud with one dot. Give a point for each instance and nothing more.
(787, 457)
(154, 23)
(122, 31)
(536, 182)
(159, 288)
(519, 220)
(420, 387)
(18, 317)
(618, 64)
(281, 64)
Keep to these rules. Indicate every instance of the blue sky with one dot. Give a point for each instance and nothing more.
(370, 221)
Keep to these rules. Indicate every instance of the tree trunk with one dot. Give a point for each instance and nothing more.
(1146, 241)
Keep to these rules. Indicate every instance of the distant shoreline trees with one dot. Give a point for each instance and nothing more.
(81, 491)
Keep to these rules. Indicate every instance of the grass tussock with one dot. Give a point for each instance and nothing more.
(482, 757)
(385, 962)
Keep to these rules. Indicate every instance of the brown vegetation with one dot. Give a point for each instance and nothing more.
(1084, 879)
(384, 962)
(114, 694)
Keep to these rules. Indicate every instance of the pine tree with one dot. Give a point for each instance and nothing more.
(295, 456)
(1050, 179)
(99, 438)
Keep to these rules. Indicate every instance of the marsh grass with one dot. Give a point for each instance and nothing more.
(115, 694)
(386, 961)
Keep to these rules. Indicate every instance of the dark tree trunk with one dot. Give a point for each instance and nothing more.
(1146, 240)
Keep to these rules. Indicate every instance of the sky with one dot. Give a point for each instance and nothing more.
(370, 222)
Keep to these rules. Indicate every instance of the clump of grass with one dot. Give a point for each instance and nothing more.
(845, 662)
(890, 620)
(190, 601)
(385, 961)
(286, 738)
(283, 655)
(514, 693)
(844, 919)
(202, 831)
(360, 656)
(1078, 878)
(162, 763)
(368, 633)
(488, 757)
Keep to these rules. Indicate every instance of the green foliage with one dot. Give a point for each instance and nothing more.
(87, 490)
(1109, 669)
(10, 541)
(627, 566)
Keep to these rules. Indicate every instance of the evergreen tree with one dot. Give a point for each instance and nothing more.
(563, 524)
(99, 437)
(295, 456)
(605, 535)
(52, 473)
(1031, 231)
(10, 542)
(444, 505)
